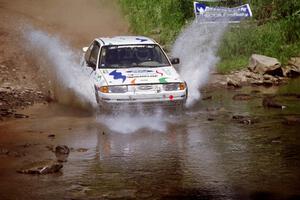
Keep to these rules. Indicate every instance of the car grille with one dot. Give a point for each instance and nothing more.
(145, 87)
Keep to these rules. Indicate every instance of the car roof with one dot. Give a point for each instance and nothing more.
(126, 40)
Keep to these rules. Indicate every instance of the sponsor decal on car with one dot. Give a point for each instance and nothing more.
(158, 72)
(141, 39)
(163, 80)
(117, 75)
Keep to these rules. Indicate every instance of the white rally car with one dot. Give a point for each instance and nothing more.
(129, 69)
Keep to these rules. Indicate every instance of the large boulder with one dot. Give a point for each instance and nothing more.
(269, 102)
(265, 65)
(295, 61)
(293, 68)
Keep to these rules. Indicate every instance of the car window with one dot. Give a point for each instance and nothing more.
(132, 56)
(94, 54)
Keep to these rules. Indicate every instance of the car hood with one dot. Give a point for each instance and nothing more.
(145, 75)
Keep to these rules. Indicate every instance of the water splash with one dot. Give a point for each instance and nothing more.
(62, 65)
(196, 47)
(128, 122)
(71, 85)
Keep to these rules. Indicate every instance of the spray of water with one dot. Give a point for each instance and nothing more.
(125, 122)
(62, 65)
(71, 85)
(196, 47)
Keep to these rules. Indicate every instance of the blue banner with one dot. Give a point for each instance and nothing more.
(211, 14)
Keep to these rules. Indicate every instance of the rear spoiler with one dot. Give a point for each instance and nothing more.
(207, 14)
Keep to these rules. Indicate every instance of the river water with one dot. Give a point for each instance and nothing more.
(202, 153)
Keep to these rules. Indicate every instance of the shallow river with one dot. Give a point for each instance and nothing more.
(202, 153)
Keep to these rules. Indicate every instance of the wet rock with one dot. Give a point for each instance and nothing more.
(264, 65)
(254, 76)
(62, 153)
(291, 71)
(242, 75)
(270, 80)
(244, 119)
(242, 97)
(294, 61)
(51, 136)
(292, 120)
(293, 68)
(233, 83)
(269, 102)
(210, 119)
(17, 115)
(6, 112)
(268, 83)
(257, 82)
(269, 77)
(42, 168)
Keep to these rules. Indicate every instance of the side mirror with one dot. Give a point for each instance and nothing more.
(175, 61)
(84, 49)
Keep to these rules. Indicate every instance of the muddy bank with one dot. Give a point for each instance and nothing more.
(23, 72)
(76, 21)
(12, 99)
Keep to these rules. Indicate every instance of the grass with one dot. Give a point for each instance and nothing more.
(240, 43)
(160, 19)
(274, 31)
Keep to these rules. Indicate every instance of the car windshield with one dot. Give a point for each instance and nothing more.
(132, 56)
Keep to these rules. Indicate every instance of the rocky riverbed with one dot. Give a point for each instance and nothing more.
(262, 71)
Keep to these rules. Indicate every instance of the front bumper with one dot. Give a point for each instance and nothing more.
(146, 99)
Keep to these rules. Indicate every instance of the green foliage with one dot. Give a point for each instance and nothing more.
(273, 31)
(228, 65)
(161, 19)
(276, 33)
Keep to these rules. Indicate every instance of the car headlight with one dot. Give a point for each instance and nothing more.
(113, 89)
(174, 86)
(118, 89)
(103, 89)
